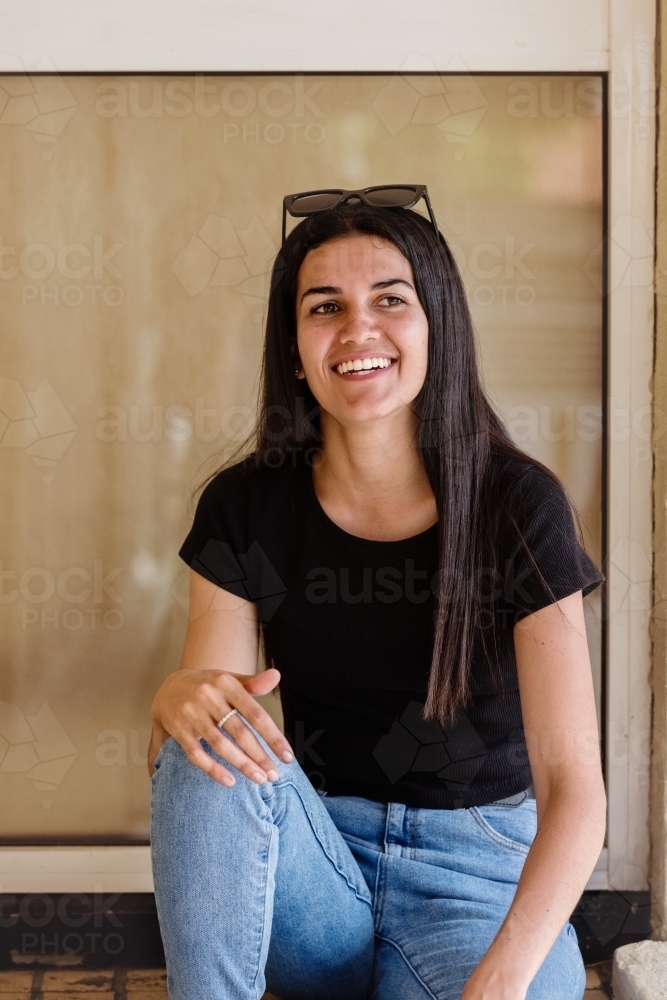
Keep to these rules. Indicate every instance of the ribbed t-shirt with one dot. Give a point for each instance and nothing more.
(349, 623)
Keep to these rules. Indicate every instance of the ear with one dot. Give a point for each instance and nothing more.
(295, 353)
(297, 361)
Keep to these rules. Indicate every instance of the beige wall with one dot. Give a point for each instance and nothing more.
(139, 215)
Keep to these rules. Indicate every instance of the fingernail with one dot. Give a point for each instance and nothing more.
(287, 756)
(272, 774)
(258, 776)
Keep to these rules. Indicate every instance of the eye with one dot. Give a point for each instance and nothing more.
(325, 308)
(392, 300)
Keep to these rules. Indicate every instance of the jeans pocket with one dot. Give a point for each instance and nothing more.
(513, 828)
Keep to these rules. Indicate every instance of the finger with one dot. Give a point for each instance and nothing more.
(235, 755)
(251, 746)
(198, 756)
(263, 683)
(260, 720)
(226, 686)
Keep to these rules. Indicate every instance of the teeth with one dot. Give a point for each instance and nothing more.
(362, 365)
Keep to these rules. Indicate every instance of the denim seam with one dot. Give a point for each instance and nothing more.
(408, 963)
(379, 893)
(265, 868)
(411, 829)
(498, 838)
(385, 842)
(326, 851)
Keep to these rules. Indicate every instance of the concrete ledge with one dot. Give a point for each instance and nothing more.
(640, 971)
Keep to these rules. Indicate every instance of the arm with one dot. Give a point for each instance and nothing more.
(217, 673)
(560, 723)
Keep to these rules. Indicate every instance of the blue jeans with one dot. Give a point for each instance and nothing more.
(277, 887)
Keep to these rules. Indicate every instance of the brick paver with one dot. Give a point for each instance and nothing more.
(18, 983)
(151, 984)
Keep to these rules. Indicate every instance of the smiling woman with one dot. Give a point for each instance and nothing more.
(417, 584)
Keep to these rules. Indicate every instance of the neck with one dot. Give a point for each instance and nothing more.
(374, 472)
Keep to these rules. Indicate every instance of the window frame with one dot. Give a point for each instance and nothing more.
(612, 37)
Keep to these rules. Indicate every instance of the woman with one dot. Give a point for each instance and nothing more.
(417, 582)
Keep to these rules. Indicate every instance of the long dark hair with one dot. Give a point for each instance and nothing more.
(458, 430)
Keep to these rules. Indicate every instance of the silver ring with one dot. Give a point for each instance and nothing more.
(234, 711)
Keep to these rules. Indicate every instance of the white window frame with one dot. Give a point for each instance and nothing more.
(536, 36)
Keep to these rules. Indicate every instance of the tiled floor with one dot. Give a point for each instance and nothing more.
(150, 984)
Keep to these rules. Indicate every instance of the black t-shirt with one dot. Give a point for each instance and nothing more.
(349, 622)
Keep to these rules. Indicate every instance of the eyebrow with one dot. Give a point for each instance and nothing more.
(333, 290)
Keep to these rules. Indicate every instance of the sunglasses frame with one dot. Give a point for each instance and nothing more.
(420, 191)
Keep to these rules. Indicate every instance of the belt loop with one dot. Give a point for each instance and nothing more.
(385, 844)
(394, 834)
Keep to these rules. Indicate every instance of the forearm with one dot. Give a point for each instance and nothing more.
(554, 876)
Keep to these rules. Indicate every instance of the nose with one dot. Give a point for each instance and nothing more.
(359, 327)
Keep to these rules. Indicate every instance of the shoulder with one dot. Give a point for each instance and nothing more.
(530, 507)
(251, 494)
(538, 536)
(245, 480)
(246, 503)
(521, 485)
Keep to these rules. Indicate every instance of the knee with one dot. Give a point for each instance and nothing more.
(180, 785)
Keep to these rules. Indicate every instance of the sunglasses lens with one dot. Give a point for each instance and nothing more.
(398, 197)
(316, 202)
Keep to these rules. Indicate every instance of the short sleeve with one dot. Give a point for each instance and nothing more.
(543, 558)
(218, 536)
(226, 545)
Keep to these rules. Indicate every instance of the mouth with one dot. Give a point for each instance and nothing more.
(363, 368)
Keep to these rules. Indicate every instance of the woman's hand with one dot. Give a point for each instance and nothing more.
(487, 983)
(190, 703)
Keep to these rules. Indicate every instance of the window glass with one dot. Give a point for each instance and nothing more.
(140, 215)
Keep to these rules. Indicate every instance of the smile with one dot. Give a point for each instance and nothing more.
(361, 366)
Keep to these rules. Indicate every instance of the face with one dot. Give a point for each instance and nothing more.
(362, 335)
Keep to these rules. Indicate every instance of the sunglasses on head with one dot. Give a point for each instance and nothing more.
(378, 196)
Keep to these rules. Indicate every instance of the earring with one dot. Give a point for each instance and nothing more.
(297, 372)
